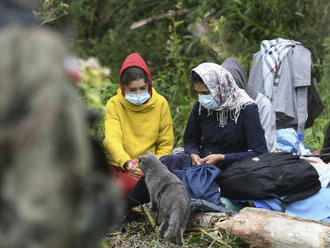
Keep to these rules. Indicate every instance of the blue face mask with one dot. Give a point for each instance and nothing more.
(137, 99)
(208, 102)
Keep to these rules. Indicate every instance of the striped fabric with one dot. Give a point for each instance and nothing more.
(273, 52)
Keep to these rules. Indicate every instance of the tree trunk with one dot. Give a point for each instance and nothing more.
(266, 228)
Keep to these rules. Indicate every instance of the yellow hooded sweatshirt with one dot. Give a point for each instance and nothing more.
(131, 130)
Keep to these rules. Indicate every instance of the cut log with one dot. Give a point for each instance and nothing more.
(266, 228)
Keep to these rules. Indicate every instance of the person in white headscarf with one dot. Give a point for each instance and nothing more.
(224, 124)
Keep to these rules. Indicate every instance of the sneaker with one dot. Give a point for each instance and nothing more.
(118, 226)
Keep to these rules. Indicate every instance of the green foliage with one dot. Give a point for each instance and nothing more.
(104, 31)
(94, 81)
(240, 26)
(210, 240)
(52, 10)
(171, 51)
(173, 80)
(97, 87)
(314, 136)
(326, 66)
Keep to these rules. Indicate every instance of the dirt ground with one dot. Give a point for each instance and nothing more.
(140, 234)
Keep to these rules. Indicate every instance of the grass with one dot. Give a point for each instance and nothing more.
(314, 135)
(139, 233)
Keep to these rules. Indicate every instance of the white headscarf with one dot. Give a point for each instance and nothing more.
(224, 90)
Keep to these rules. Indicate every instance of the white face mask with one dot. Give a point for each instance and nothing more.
(137, 99)
(208, 102)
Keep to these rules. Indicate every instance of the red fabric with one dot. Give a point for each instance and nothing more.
(125, 180)
(134, 59)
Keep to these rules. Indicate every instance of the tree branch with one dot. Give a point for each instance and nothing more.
(160, 17)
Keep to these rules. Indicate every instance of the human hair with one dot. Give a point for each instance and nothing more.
(195, 78)
(133, 73)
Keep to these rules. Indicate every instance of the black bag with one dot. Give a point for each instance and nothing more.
(283, 176)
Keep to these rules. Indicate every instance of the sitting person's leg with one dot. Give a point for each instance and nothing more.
(177, 163)
(138, 195)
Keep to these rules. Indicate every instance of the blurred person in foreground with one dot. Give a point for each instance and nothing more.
(52, 191)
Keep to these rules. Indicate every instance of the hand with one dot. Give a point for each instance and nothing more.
(132, 168)
(312, 159)
(195, 159)
(213, 159)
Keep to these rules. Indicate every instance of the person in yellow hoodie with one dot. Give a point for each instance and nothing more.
(137, 119)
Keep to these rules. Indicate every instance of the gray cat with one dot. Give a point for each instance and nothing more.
(169, 194)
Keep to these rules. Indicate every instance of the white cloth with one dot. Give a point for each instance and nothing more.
(224, 90)
(267, 120)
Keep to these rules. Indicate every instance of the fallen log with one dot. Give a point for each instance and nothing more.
(266, 228)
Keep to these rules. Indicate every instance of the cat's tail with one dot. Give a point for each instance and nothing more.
(173, 225)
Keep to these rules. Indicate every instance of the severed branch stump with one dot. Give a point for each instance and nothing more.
(205, 220)
(266, 228)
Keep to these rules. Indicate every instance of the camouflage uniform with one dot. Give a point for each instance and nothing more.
(50, 193)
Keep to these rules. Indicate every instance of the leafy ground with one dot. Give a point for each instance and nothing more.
(139, 233)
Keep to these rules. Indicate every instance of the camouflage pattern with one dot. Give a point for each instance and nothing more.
(50, 193)
(28, 4)
(16, 11)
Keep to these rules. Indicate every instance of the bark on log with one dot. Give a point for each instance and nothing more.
(266, 228)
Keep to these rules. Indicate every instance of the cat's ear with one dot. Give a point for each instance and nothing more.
(149, 152)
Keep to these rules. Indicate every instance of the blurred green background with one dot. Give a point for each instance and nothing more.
(181, 34)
